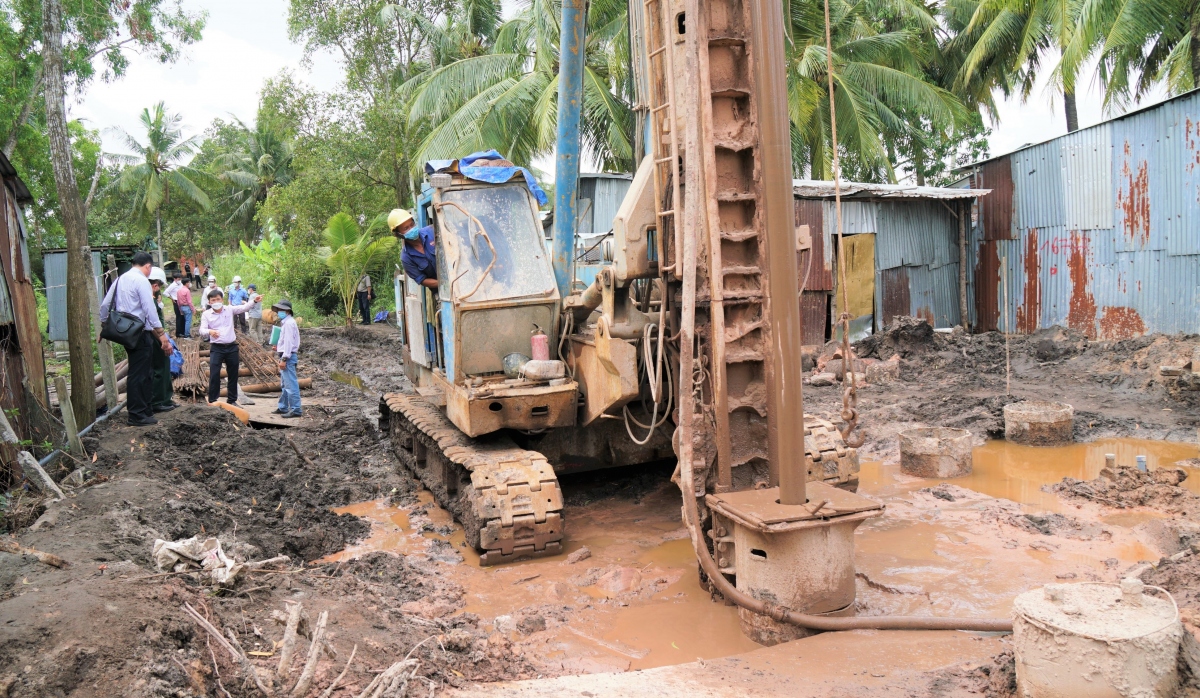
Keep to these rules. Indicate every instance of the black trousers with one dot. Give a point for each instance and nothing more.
(178, 320)
(139, 385)
(223, 355)
(364, 306)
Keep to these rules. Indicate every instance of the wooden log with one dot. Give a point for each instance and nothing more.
(305, 383)
(122, 369)
(8, 545)
(74, 445)
(314, 654)
(39, 477)
(289, 639)
(243, 372)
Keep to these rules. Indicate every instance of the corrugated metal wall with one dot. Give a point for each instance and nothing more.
(606, 192)
(917, 236)
(1105, 230)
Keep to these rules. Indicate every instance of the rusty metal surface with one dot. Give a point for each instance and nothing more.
(761, 511)
(1105, 229)
(814, 263)
(996, 209)
(507, 498)
(496, 405)
(606, 369)
(893, 289)
(814, 316)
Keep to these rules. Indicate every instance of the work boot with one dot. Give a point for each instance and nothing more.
(142, 422)
(246, 401)
(165, 408)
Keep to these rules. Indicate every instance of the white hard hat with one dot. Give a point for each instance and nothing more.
(237, 279)
(157, 274)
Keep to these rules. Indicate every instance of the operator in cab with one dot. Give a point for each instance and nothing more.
(419, 256)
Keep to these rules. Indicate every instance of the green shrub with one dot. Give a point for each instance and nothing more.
(305, 277)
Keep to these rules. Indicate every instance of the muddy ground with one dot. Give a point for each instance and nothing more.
(962, 380)
(112, 624)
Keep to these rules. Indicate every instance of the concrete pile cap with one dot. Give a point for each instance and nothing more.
(1039, 411)
(1097, 611)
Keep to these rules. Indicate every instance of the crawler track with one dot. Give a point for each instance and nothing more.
(506, 498)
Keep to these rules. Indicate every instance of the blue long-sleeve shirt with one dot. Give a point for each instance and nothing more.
(133, 296)
(421, 265)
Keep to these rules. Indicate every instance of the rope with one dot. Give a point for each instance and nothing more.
(850, 389)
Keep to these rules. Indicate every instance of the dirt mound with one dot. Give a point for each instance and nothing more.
(1181, 577)
(905, 336)
(1124, 487)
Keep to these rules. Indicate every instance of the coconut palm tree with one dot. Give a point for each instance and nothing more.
(264, 162)
(1140, 44)
(466, 32)
(155, 168)
(349, 252)
(881, 86)
(507, 98)
(1021, 34)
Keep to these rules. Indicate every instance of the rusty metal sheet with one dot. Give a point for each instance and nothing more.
(820, 275)
(894, 295)
(814, 317)
(996, 209)
(987, 286)
(823, 189)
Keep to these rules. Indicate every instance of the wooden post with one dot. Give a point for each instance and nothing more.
(964, 214)
(74, 445)
(107, 370)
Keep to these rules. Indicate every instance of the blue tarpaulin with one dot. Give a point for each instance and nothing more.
(495, 175)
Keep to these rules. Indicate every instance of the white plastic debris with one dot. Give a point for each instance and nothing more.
(195, 554)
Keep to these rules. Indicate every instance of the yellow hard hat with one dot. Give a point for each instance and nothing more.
(397, 218)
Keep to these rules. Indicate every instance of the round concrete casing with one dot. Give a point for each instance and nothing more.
(1037, 423)
(936, 452)
(810, 570)
(1089, 642)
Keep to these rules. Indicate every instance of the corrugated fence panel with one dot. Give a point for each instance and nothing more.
(56, 291)
(913, 232)
(996, 209)
(1037, 186)
(610, 192)
(1087, 178)
(893, 296)
(814, 315)
(56, 294)
(1180, 157)
(1135, 148)
(934, 294)
(820, 276)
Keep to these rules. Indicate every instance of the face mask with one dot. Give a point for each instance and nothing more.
(413, 234)
(282, 314)
(217, 306)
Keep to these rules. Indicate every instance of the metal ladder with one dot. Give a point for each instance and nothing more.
(660, 58)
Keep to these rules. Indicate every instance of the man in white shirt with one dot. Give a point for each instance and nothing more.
(287, 348)
(217, 324)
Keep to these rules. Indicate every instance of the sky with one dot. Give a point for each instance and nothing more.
(246, 42)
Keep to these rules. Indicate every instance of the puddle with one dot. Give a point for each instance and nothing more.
(636, 603)
(1010, 471)
(349, 379)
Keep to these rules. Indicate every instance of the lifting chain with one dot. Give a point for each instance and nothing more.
(850, 431)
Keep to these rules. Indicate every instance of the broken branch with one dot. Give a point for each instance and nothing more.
(329, 691)
(314, 654)
(296, 448)
(12, 546)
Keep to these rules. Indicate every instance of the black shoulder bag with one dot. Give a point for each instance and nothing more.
(121, 327)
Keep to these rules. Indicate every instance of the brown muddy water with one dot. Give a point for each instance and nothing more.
(636, 601)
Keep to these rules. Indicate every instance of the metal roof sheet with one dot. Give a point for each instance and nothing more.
(823, 189)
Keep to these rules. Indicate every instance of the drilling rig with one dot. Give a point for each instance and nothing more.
(686, 345)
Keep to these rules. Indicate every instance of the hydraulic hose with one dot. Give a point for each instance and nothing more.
(784, 615)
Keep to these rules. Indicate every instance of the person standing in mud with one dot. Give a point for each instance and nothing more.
(131, 293)
(287, 350)
(216, 323)
(365, 294)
